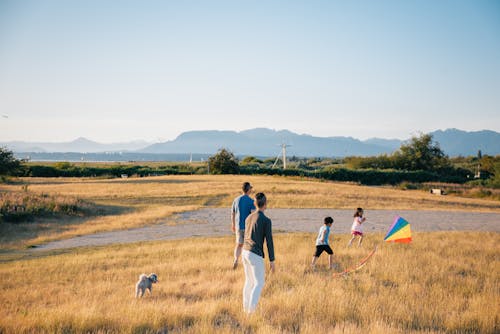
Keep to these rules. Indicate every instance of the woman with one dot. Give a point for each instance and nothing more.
(258, 228)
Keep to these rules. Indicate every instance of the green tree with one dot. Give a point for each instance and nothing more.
(223, 162)
(377, 162)
(495, 181)
(487, 164)
(250, 160)
(421, 153)
(9, 165)
(63, 165)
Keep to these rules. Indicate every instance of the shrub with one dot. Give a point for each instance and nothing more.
(250, 160)
(109, 171)
(363, 176)
(24, 206)
(223, 162)
(63, 165)
(8, 164)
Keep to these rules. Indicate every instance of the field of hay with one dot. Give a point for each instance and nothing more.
(442, 282)
(135, 202)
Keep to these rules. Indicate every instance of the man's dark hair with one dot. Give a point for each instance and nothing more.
(328, 220)
(260, 199)
(246, 187)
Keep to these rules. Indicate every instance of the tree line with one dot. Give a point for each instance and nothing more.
(418, 160)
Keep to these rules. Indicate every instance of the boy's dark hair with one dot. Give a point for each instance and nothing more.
(246, 187)
(260, 199)
(328, 220)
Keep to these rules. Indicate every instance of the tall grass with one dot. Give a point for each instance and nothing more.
(16, 206)
(442, 282)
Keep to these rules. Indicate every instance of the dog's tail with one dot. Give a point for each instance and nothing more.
(143, 277)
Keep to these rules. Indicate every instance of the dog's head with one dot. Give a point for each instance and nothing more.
(153, 278)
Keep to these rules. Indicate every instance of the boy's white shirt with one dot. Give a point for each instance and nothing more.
(323, 241)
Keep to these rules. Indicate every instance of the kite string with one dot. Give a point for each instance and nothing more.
(358, 266)
(381, 225)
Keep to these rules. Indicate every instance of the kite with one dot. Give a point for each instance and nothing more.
(357, 266)
(399, 231)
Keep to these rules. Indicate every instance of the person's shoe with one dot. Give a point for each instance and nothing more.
(235, 265)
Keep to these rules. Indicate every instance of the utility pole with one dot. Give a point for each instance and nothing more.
(283, 155)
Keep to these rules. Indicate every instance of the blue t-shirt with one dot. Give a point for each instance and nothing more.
(319, 239)
(242, 207)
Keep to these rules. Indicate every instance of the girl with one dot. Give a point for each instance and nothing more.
(357, 229)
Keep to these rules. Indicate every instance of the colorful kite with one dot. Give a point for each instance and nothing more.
(399, 231)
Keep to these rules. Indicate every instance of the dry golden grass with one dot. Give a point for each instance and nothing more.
(135, 202)
(284, 192)
(443, 282)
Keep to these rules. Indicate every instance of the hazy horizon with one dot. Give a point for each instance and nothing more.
(122, 71)
(146, 142)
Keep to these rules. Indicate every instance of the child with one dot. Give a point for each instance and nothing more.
(322, 242)
(357, 229)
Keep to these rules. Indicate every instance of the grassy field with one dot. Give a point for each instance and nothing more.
(134, 202)
(442, 282)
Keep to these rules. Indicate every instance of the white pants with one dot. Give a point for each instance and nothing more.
(254, 279)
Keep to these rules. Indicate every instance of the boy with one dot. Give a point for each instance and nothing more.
(322, 243)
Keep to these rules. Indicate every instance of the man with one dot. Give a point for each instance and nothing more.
(258, 228)
(242, 206)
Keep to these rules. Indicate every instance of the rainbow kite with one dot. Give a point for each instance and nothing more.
(399, 231)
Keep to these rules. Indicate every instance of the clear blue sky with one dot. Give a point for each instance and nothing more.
(126, 70)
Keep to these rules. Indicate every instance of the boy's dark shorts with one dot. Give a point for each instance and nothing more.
(322, 248)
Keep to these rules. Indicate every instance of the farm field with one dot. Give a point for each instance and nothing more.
(443, 282)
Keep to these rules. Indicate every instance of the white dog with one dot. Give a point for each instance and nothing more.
(145, 282)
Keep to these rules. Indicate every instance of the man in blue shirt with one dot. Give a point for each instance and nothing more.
(242, 206)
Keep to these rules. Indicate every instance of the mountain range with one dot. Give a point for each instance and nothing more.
(78, 145)
(265, 142)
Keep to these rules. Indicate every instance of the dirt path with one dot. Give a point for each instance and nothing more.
(215, 222)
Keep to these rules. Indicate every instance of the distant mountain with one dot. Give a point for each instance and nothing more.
(392, 144)
(265, 142)
(457, 142)
(78, 145)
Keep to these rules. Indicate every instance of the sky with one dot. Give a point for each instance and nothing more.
(116, 71)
